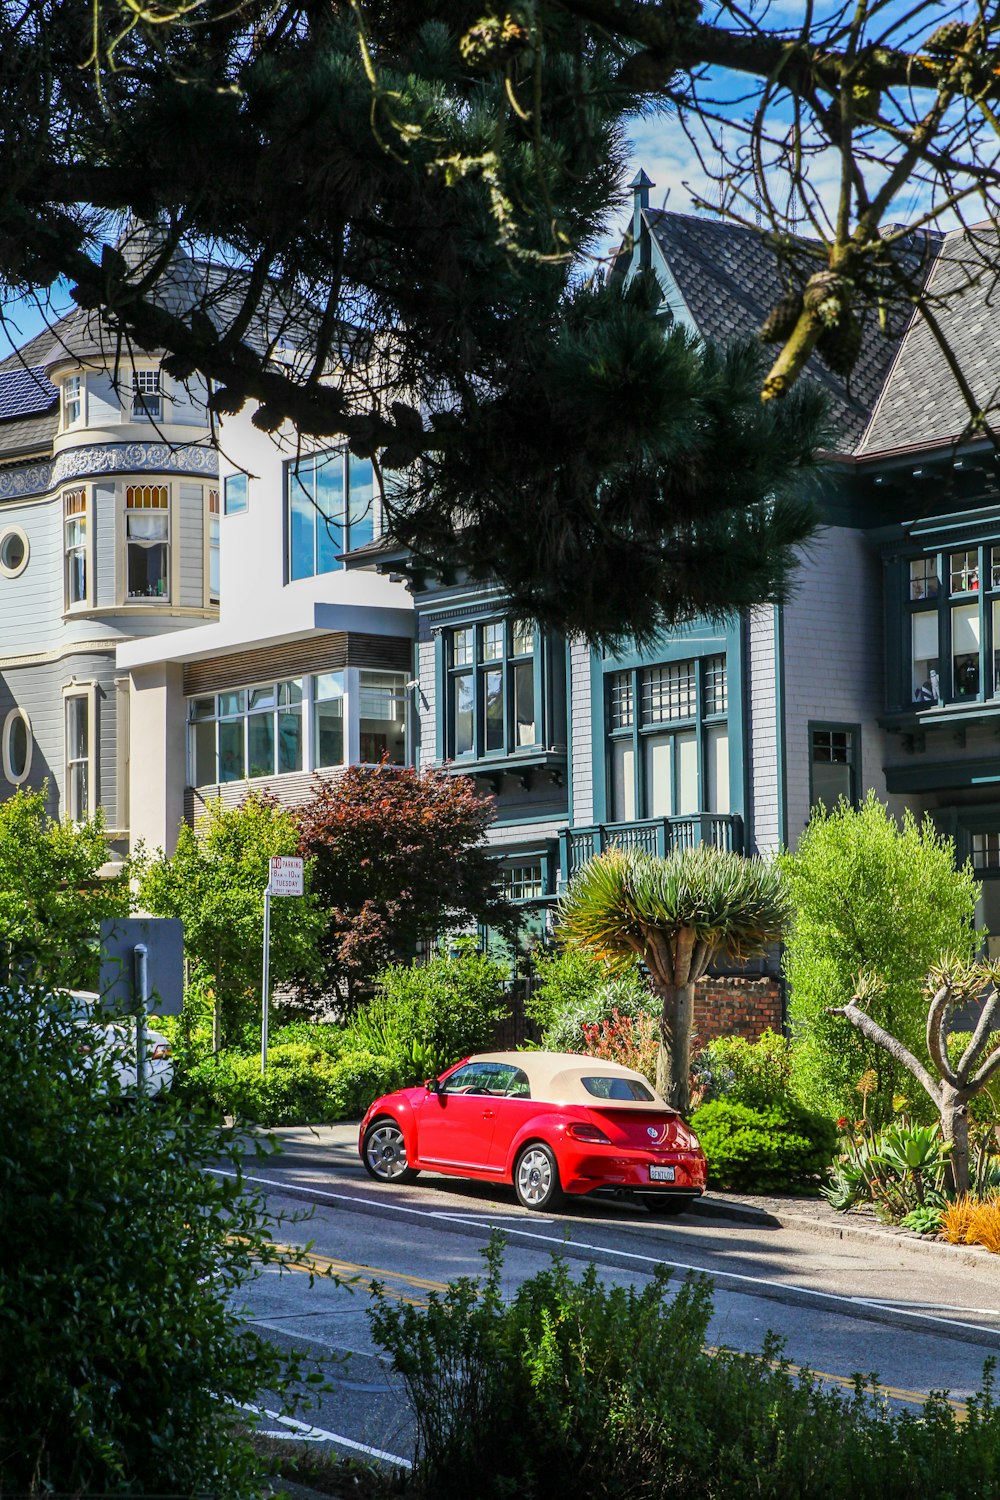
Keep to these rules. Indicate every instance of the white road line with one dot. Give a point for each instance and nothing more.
(561, 1243)
(309, 1434)
(986, 1312)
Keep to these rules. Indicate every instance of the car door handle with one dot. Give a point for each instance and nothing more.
(488, 1114)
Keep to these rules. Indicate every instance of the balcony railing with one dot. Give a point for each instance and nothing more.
(652, 836)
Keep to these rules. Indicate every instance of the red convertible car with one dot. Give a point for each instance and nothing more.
(551, 1123)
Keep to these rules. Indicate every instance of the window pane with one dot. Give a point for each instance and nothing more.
(77, 791)
(232, 703)
(260, 745)
(76, 575)
(964, 572)
(201, 708)
(492, 642)
(620, 706)
(361, 493)
(714, 685)
(717, 768)
(668, 693)
(687, 772)
(203, 753)
(301, 528)
(623, 779)
(924, 581)
(235, 493)
(382, 717)
(523, 637)
(262, 697)
(290, 740)
(461, 648)
(231, 766)
(328, 731)
(996, 646)
(965, 650)
(995, 567)
(832, 752)
(291, 691)
(17, 747)
(76, 728)
(213, 556)
(147, 571)
(462, 703)
(926, 682)
(523, 882)
(986, 851)
(493, 709)
(331, 540)
(329, 685)
(659, 792)
(524, 703)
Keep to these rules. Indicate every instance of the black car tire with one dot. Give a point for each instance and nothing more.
(536, 1178)
(383, 1152)
(666, 1207)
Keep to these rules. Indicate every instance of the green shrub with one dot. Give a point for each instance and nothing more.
(763, 1150)
(574, 990)
(575, 1389)
(757, 1074)
(121, 1257)
(426, 1016)
(303, 1085)
(869, 895)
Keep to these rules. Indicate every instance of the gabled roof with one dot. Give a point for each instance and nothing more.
(922, 403)
(730, 280)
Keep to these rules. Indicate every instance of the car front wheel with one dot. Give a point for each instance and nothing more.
(536, 1178)
(383, 1152)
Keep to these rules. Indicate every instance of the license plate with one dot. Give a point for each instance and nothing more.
(661, 1174)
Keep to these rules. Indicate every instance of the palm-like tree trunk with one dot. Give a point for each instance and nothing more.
(672, 1059)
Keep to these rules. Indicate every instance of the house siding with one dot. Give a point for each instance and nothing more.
(190, 521)
(581, 732)
(764, 813)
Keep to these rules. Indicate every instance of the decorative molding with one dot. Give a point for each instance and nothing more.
(109, 458)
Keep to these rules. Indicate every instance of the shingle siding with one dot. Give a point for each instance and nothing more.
(763, 818)
(581, 717)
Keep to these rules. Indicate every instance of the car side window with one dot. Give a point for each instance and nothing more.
(472, 1079)
(517, 1085)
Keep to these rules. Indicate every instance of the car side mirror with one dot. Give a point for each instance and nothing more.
(431, 1085)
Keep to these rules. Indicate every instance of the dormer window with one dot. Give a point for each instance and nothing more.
(72, 400)
(147, 400)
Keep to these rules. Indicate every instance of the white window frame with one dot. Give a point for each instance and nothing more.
(147, 601)
(75, 692)
(88, 571)
(210, 546)
(74, 394)
(17, 713)
(147, 384)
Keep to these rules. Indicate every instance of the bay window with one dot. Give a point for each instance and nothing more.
(300, 724)
(492, 685)
(953, 626)
(668, 739)
(147, 398)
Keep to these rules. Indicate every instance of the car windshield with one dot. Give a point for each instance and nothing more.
(603, 1087)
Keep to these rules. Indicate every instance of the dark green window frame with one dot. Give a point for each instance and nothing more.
(665, 703)
(834, 745)
(951, 612)
(493, 679)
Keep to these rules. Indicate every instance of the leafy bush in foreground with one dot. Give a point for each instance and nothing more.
(122, 1367)
(577, 1391)
(763, 1150)
(303, 1085)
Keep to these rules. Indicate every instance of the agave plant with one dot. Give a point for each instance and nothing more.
(676, 914)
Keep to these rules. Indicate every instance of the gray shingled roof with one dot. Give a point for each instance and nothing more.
(730, 279)
(922, 403)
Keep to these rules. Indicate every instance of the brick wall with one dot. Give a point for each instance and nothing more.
(734, 1006)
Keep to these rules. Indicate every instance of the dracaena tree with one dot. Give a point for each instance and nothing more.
(676, 915)
(949, 1083)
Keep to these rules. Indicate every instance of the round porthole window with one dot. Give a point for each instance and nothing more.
(13, 551)
(18, 744)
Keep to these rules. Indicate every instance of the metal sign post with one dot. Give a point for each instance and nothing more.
(142, 970)
(141, 984)
(284, 879)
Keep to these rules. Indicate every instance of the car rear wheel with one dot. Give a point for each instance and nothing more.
(667, 1208)
(536, 1178)
(383, 1152)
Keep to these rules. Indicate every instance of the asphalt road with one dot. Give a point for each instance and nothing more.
(922, 1317)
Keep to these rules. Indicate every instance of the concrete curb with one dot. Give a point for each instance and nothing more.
(977, 1256)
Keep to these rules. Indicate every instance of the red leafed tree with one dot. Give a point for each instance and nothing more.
(399, 856)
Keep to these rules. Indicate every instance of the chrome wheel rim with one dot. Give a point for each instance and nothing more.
(534, 1177)
(386, 1152)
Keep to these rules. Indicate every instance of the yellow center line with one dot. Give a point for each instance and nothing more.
(363, 1276)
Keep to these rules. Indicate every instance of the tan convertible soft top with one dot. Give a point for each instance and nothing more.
(557, 1078)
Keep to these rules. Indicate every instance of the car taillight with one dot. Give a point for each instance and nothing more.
(160, 1051)
(583, 1132)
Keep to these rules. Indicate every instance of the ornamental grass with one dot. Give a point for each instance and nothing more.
(971, 1221)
